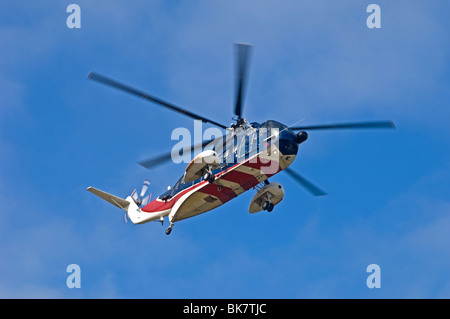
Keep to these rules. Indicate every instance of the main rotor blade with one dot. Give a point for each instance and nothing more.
(242, 54)
(155, 161)
(354, 125)
(163, 158)
(109, 82)
(316, 191)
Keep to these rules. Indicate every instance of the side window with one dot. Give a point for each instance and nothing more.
(176, 187)
(241, 147)
(264, 133)
(253, 142)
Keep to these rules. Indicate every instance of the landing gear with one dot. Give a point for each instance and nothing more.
(267, 205)
(209, 177)
(169, 229)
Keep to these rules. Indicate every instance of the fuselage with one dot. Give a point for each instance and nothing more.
(256, 153)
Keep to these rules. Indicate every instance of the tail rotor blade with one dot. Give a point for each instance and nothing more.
(146, 200)
(134, 195)
(144, 188)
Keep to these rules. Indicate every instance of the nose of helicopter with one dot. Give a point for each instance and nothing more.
(289, 142)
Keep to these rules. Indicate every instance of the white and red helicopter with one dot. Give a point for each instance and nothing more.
(242, 159)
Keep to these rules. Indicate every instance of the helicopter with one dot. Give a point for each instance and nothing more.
(243, 158)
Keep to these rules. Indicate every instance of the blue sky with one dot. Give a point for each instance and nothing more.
(314, 61)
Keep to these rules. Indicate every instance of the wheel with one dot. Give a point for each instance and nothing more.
(270, 208)
(168, 230)
(265, 205)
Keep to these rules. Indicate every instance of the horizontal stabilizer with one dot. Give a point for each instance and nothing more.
(116, 201)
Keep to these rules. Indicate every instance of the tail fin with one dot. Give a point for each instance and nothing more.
(128, 205)
(116, 201)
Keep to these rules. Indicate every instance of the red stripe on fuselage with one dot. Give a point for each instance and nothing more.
(159, 205)
(246, 181)
(224, 194)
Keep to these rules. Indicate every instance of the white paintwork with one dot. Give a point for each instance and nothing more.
(138, 217)
(181, 200)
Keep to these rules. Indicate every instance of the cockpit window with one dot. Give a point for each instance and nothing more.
(274, 124)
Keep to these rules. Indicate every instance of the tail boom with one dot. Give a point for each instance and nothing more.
(136, 215)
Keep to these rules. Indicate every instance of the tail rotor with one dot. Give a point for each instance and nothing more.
(140, 199)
